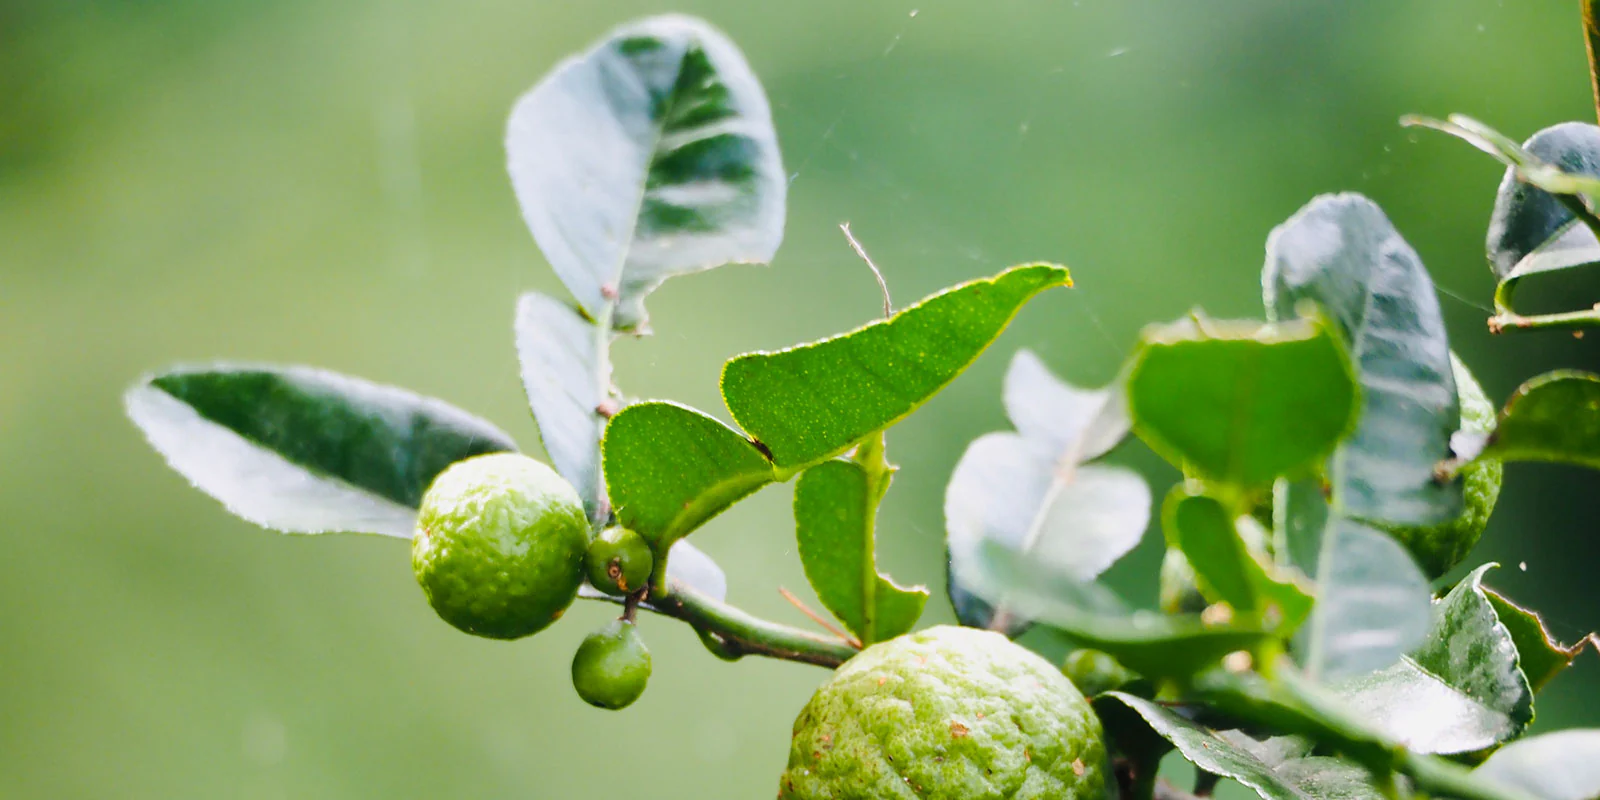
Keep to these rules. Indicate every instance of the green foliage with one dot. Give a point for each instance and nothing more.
(1539, 655)
(1242, 403)
(835, 510)
(1555, 766)
(1204, 531)
(810, 402)
(1553, 417)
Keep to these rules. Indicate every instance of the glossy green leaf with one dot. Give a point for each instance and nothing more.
(1242, 403)
(1460, 692)
(651, 155)
(1341, 253)
(834, 510)
(1553, 417)
(816, 400)
(1372, 603)
(1532, 230)
(1539, 655)
(1564, 765)
(302, 450)
(1202, 528)
(1317, 778)
(567, 376)
(671, 468)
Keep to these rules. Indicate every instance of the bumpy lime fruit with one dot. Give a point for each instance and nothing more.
(499, 545)
(946, 714)
(612, 666)
(619, 561)
(1438, 548)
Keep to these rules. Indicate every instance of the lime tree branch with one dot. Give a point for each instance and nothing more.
(1571, 320)
(733, 632)
(1591, 40)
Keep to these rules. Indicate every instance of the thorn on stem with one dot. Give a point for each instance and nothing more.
(818, 618)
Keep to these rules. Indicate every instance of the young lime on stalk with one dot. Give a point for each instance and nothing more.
(612, 666)
(947, 714)
(499, 545)
(619, 562)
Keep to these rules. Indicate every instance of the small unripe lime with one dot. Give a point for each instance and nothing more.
(1094, 672)
(499, 545)
(946, 714)
(619, 561)
(1438, 548)
(612, 666)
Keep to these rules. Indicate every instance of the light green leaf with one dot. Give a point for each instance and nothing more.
(1372, 603)
(834, 510)
(1203, 529)
(1564, 765)
(651, 155)
(671, 468)
(1460, 692)
(1539, 655)
(1553, 417)
(302, 450)
(814, 401)
(1242, 403)
(567, 376)
(1343, 254)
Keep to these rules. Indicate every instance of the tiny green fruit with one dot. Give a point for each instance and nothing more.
(612, 666)
(499, 545)
(1095, 672)
(947, 714)
(619, 562)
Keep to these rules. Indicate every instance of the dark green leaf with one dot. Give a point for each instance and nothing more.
(973, 612)
(302, 450)
(1373, 604)
(1460, 692)
(1553, 417)
(649, 156)
(813, 401)
(1325, 778)
(1539, 655)
(1203, 529)
(1555, 766)
(1209, 752)
(567, 375)
(834, 512)
(670, 468)
(1242, 403)
(1343, 254)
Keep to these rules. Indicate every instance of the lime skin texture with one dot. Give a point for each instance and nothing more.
(619, 562)
(499, 545)
(947, 714)
(612, 666)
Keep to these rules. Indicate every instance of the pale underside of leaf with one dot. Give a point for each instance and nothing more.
(1564, 765)
(649, 156)
(566, 377)
(1060, 417)
(1372, 605)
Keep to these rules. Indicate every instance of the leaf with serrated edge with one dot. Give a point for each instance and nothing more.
(1554, 417)
(651, 155)
(1239, 402)
(1564, 765)
(813, 401)
(833, 507)
(302, 450)
(1539, 655)
(1342, 253)
(1372, 603)
(671, 468)
(566, 375)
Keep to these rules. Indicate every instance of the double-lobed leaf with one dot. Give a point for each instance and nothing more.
(1342, 253)
(1461, 691)
(1031, 493)
(567, 376)
(1242, 403)
(651, 155)
(303, 450)
(814, 401)
(671, 468)
(835, 505)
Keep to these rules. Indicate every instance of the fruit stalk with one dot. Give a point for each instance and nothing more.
(741, 634)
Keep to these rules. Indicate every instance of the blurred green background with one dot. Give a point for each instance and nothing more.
(297, 181)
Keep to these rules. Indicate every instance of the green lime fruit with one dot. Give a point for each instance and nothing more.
(1438, 548)
(499, 545)
(947, 714)
(619, 562)
(1094, 672)
(612, 666)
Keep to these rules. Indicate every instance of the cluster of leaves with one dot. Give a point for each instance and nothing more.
(1322, 447)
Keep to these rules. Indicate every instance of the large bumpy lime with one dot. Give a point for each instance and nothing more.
(499, 545)
(946, 714)
(1437, 548)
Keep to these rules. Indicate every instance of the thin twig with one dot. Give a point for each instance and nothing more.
(888, 307)
(818, 618)
(1591, 41)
